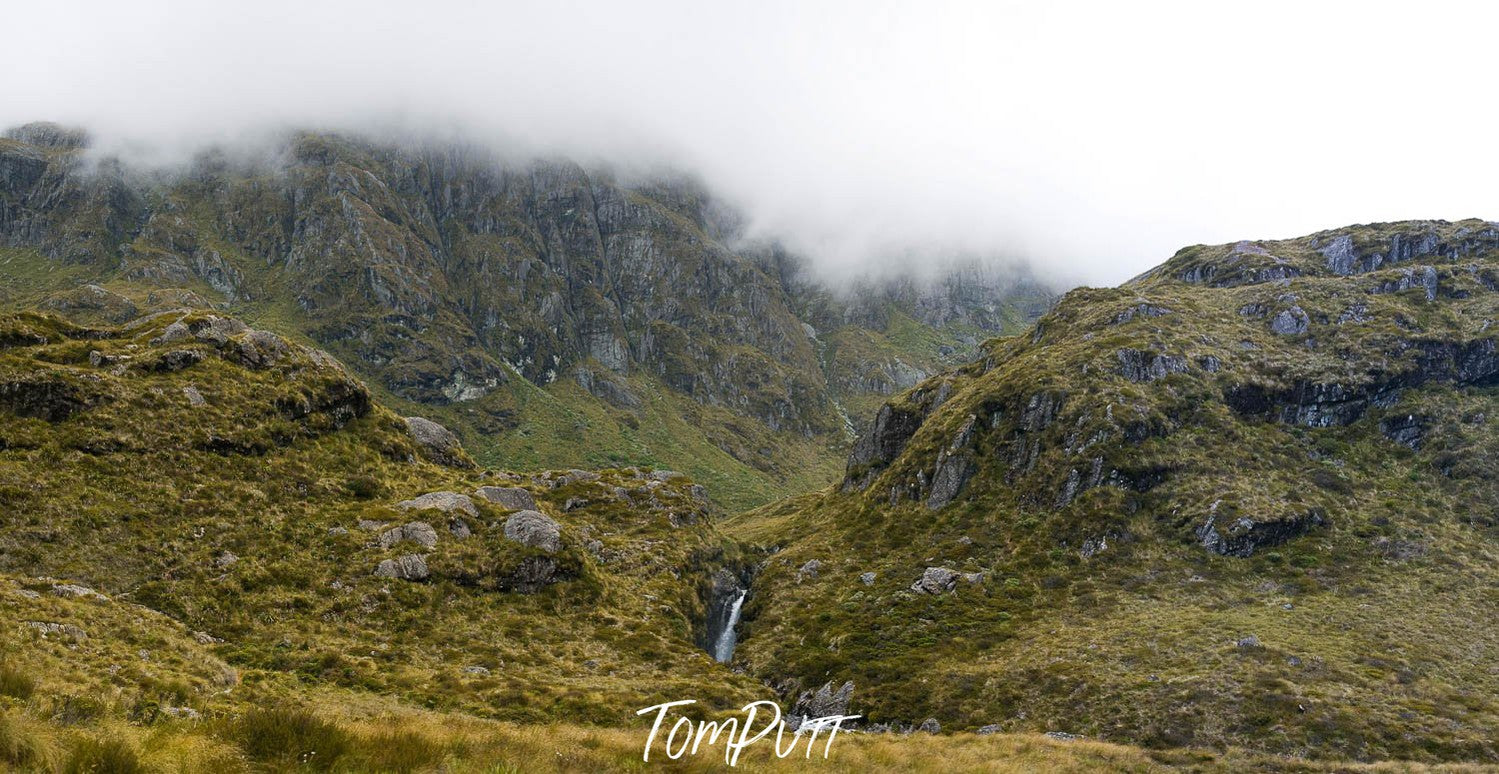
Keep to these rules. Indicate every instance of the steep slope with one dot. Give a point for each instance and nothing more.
(555, 315)
(1245, 499)
(251, 490)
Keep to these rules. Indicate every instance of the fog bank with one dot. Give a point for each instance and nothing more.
(1089, 139)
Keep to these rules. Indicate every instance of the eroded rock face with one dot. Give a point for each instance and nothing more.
(556, 480)
(1333, 404)
(1243, 536)
(1345, 257)
(176, 360)
(1138, 366)
(43, 395)
(1140, 311)
(438, 443)
(810, 570)
(533, 574)
(1425, 278)
(75, 591)
(534, 529)
(1290, 322)
(1406, 429)
(887, 437)
(825, 701)
(259, 349)
(608, 387)
(952, 474)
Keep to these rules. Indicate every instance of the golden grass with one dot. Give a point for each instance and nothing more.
(415, 741)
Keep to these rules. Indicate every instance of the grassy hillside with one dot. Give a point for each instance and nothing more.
(113, 686)
(247, 487)
(1244, 500)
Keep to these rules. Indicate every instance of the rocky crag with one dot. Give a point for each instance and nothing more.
(555, 314)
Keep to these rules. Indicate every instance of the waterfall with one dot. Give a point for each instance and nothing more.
(723, 645)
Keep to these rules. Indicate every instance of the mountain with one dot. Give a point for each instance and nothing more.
(222, 552)
(1219, 518)
(1246, 499)
(554, 315)
(353, 456)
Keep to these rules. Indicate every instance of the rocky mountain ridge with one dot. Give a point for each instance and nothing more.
(446, 277)
(1243, 499)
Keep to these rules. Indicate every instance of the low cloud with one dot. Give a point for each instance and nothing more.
(1089, 139)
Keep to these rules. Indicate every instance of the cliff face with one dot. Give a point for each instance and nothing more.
(445, 276)
(1338, 329)
(1237, 500)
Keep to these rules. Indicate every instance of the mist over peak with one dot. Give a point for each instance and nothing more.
(1088, 139)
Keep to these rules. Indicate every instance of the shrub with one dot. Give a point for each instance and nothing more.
(290, 737)
(109, 756)
(365, 487)
(15, 683)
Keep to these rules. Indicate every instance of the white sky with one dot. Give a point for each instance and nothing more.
(1092, 138)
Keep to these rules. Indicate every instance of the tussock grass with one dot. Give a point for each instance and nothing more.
(15, 683)
(417, 742)
(98, 756)
(290, 738)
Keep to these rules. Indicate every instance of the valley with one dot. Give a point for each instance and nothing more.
(365, 457)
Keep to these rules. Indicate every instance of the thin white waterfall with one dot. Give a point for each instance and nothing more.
(723, 647)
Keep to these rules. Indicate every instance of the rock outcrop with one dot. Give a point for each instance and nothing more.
(438, 443)
(410, 567)
(936, 580)
(535, 530)
(419, 532)
(450, 503)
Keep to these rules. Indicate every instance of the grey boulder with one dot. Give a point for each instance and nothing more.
(437, 443)
(511, 498)
(935, 580)
(409, 567)
(447, 502)
(419, 532)
(535, 530)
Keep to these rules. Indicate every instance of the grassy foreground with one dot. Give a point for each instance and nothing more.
(356, 738)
